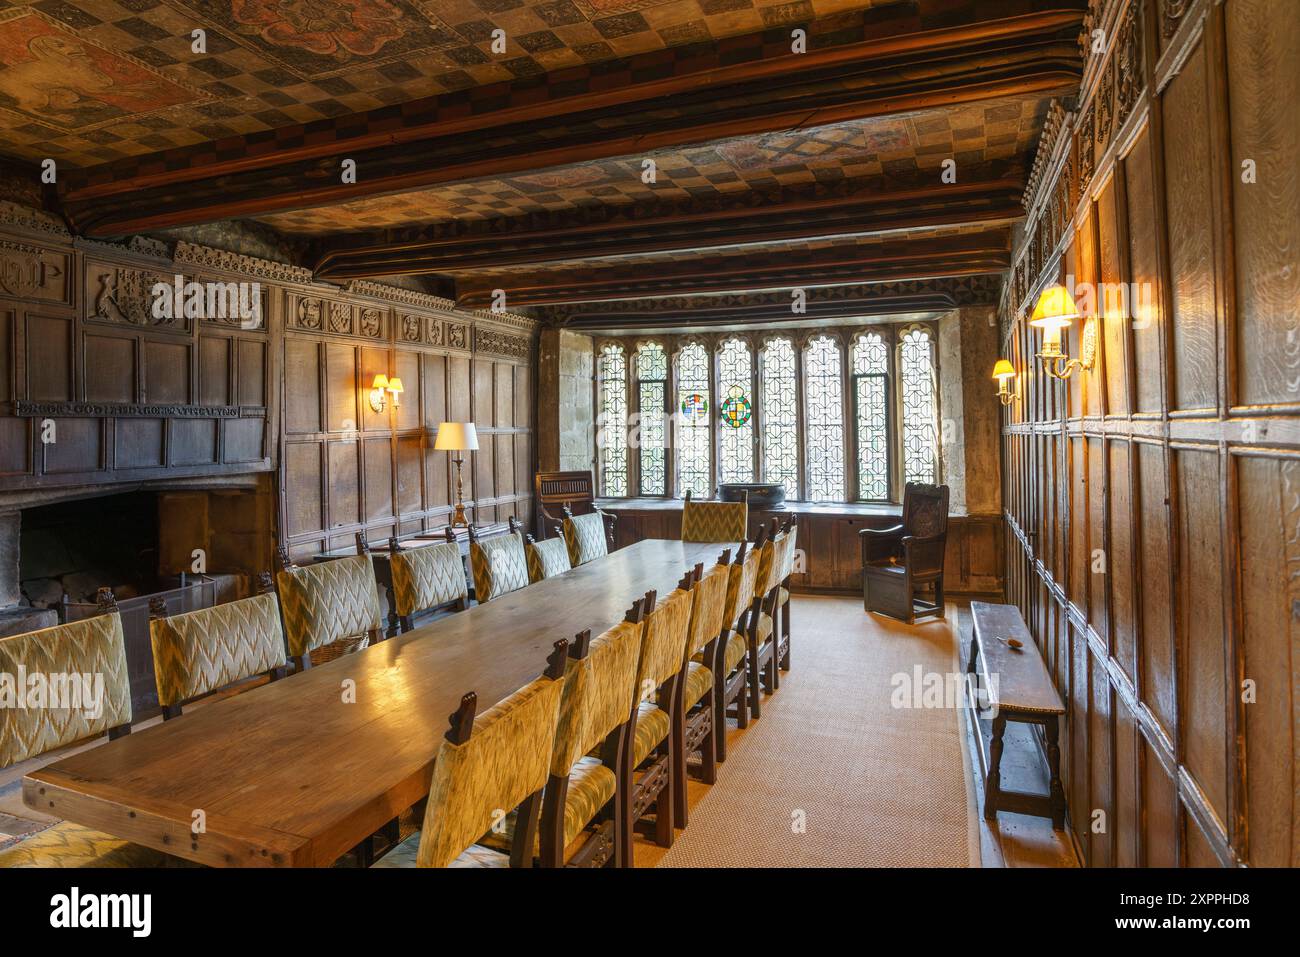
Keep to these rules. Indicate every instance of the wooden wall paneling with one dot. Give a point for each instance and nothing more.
(1157, 678)
(1119, 552)
(1203, 694)
(1099, 815)
(1263, 68)
(1112, 305)
(1189, 192)
(1268, 494)
(1098, 554)
(1143, 258)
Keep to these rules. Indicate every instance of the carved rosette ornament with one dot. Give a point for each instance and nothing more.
(372, 324)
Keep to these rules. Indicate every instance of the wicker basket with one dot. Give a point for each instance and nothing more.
(337, 649)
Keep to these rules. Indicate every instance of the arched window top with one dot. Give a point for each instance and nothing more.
(870, 354)
(651, 361)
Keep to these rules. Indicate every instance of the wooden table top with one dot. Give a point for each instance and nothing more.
(288, 774)
(1023, 683)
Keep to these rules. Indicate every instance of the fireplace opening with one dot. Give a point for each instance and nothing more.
(143, 552)
(75, 548)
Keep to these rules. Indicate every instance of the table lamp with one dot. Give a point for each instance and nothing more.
(457, 437)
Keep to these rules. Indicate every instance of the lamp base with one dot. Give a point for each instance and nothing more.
(458, 519)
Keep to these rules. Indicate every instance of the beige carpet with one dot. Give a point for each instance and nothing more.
(833, 775)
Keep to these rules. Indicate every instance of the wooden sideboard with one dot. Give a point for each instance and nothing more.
(828, 539)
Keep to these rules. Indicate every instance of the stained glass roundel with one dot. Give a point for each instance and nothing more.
(695, 406)
(736, 409)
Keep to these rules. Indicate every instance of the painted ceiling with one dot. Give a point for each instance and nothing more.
(90, 81)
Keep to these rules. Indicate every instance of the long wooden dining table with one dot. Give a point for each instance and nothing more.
(297, 772)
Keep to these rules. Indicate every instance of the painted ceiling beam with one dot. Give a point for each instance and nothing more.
(865, 214)
(963, 255)
(421, 145)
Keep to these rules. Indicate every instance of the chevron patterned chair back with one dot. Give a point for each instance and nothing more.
(329, 608)
(496, 762)
(547, 558)
(426, 578)
(85, 661)
(204, 651)
(498, 563)
(584, 535)
(714, 521)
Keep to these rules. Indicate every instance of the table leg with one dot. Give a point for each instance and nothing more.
(1056, 795)
(992, 786)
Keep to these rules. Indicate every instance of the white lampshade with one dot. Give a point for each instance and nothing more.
(457, 437)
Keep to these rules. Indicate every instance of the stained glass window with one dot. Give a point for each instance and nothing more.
(694, 412)
(824, 417)
(778, 395)
(611, 434)
(735, 412)
(871, 414)
(919, 406)
(652, 394)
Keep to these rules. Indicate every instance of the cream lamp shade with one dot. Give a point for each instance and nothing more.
(395, 385)
(1003, 370)
(381, 382)
(1053, 312)
(456, 437)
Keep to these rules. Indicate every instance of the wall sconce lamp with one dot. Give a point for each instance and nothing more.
(1004, 372)
(1052, 313)
(382, 384)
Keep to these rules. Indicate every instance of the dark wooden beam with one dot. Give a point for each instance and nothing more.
(867, 214)
(427, 143)
(832, 265)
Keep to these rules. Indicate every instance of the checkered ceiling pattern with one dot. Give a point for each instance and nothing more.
(824, 157)
(91, 81)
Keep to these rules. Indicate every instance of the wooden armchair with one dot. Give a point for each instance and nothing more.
(897, 561)
(575, 491)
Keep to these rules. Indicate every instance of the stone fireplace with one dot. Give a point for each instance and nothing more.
(191, 544)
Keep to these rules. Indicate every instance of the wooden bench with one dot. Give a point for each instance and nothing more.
(1018, 688)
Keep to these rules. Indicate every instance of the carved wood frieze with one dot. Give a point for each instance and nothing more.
(124, 295)
(31, 272)
(91, 410)
(492, 342)
(1171, 16)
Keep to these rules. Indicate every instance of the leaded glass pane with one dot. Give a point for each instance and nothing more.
(693, 408)
(735, 412)
(652, 394)
(612, 435)
(824, 417)
(871, 409)
(779, 396)
(917, 384)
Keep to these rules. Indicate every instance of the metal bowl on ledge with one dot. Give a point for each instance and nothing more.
(762, 495)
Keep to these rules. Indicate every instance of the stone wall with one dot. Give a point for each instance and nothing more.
(566, 417)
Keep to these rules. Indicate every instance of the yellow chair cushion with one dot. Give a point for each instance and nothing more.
(764, 628)
(784, 596)
(699, 680)
(546, 559)
(70, 845)
(329, 601)
(714, 521)
(652, 725)
(499, 566)
(735, 653)
(591, 785)
(406, 854)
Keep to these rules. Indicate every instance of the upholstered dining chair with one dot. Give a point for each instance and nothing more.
(645, 783)
(760, 635)
(329, 608)
(425, 579)
(93, 646)
(715, 521)
(784, 573)
(693, 717)
(546, 558)
(584, 535)
(498, 563)
(727, 661)
(579, 825)
(498, 762)
(203, 651)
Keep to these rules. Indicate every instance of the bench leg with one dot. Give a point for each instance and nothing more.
(992, 786)
(1056, 795)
